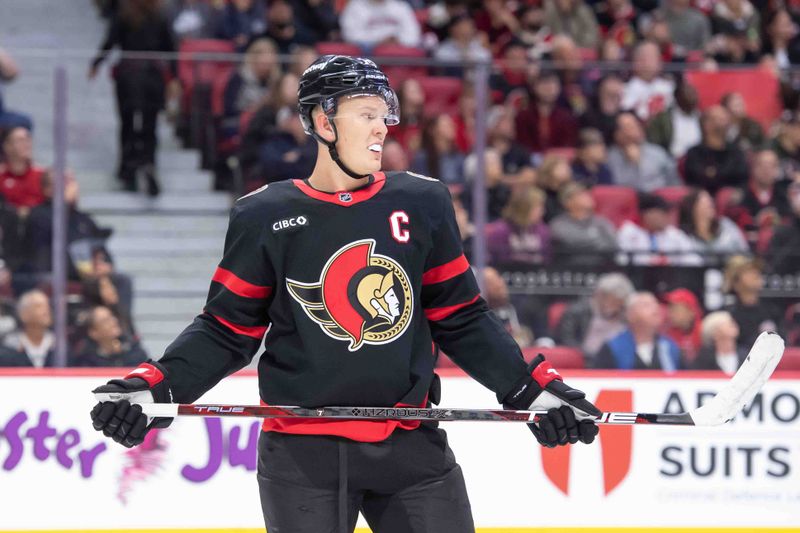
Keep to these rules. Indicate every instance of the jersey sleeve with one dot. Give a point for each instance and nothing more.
(226, 335)
(460, 320)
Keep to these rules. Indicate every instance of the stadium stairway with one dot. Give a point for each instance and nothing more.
(170, 245)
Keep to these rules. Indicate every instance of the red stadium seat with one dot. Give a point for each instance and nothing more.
(336, 48)
(790, 359)
(441, 94)
(560, 357)
(194, 69)
(673, 196)
(758, 87)
(396, 53)
(616, 203)
(554, 314)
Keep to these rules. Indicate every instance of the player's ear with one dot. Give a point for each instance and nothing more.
(322, 125)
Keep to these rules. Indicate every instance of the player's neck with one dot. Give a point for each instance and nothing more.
(330, 178)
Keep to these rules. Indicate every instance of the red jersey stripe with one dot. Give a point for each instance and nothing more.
(237, 285)
(449, 270)
(257, 332)
(440, 313)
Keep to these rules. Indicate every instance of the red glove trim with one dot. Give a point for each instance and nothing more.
(544, 373)
(147, 372)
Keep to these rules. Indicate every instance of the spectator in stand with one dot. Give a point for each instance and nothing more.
(33, 342)
(647, 93)
(712, 235)
(13, 244)
(783, 254)
(20, 178)
(744, 132)
(715, 162)
(288, 153)
(195, 19)
(394, 156)
(497, 23)
(497, 192)
(573, 18)
(495, 291)
(689, 28)
(316, 18)
(581, 239)
(441, 13)
(264, 123)
(411, 97)
(641, 346)
(512, 67)
(462, 44)
(281, 28)
(106, 344)
(84, 236)
(589, 322)
(765, 200)
(368, 23)
(300, 59)
(684, 316)
(753, 315)
(250, 87)
(10, 119)
(520, 236)
(654, 241)
(787, 144)
(545, 124)
(720, 349)
(636, 163)
(533, 32)
(140, 26)
(602, 114)
(439, 156)
(781, 38)
(576, 81)
(677, 128)
(517, 167)
(242, 20)
(104, 286)
(552, 175)
(737, 28)
(617, 20)
(589, 166)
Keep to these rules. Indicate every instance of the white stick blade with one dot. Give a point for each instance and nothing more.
(764, 356)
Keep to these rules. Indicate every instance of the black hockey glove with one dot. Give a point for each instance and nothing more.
(118, 414)
(570, 416)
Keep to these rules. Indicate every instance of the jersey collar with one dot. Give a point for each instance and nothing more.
(345, 198)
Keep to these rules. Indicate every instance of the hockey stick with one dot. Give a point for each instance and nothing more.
(740, 390)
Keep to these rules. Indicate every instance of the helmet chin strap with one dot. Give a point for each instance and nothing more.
(335, 154)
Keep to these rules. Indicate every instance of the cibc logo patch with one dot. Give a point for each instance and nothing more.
(288, 223)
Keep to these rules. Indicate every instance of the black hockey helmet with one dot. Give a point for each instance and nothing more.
(332, 77)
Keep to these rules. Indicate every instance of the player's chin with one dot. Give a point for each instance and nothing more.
(371, 166)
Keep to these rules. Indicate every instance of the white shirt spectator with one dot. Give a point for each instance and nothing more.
(647, 98)
(685, 132)
(371, 22)
(647, 248)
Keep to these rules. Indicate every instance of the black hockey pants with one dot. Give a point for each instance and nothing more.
(409, 483)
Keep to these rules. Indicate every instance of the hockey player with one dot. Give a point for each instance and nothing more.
(353, 275)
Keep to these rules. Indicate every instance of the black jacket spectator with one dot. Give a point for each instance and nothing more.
(715, 163)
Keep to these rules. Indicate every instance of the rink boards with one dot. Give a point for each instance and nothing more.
(198, 475)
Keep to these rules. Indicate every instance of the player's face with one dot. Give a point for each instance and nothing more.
(362, 131)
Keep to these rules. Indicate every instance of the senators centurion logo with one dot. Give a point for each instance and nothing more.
(361, 297)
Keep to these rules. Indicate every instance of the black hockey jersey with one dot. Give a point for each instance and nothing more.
(351, 289)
